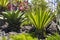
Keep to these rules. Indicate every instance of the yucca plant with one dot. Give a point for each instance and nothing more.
(14, 19)
(40, 19)
(3, 5)
(23, 36)
(53, 37)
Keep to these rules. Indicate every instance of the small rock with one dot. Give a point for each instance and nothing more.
(52, 28)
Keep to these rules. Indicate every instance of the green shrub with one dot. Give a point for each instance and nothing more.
(4, 38)
(40, 18)
(23, 36)
(14, 17)
(26, 23)
(4, 3)
(53, 37)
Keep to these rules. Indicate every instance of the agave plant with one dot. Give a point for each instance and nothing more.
(3, 4)
(53, 37)
(23, 36)
(40, 19)
(14, 19)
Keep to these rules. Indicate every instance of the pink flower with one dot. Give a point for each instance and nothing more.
(21, 8)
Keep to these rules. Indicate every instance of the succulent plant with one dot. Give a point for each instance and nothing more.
(14, 19)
